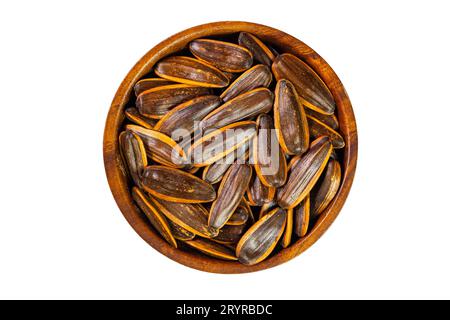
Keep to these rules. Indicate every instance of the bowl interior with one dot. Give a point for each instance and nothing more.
(282, 42)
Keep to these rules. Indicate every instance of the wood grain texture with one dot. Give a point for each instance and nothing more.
(283, 42)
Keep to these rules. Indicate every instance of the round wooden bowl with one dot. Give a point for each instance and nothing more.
(116, 173)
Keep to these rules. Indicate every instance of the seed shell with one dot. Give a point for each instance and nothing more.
(326, 191)
(226, 56)
(255, 77)
(230, 193)
(258, 193)
(176, 185)
(221, 142)
(260, 240)
(268, 158)
(156, 102)
(308, 84)
(258, 49)
(183, 117)
(191, 71)
(304, 174)
(133, 152)
(290, 119)
(244, 106)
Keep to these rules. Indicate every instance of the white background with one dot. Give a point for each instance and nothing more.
(61, 233)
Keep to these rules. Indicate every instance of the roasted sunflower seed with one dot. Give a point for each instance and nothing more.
(290, 119)
(176, 185)
(268, 158)
(231, 190)
(260, 240)
(191, 71)
(325, 192)
(226, 56)
(258, 49)
(221, 142)
(258, 193)
(255, 77)
(183, 117)
(133, 151)
(308, 84)
(304, 174)
(244, 106)
(156, 102)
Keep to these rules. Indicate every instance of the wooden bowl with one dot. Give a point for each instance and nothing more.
(115, 171)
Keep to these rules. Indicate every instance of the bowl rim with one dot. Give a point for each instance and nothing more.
(116, 172)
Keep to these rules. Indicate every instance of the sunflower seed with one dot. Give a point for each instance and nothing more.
(191, 71)
(325, 192)
(133, 151)
(176, 185)
(257, 193)
(224, 55)
(244, 106)
(156, 102)
(260, 240)
(268, 158)
(255, 77)
(305, 173)
(290, 119)
(221, 142)
(308, 84)
(231, 190)
(258, 49)
(183, 117)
